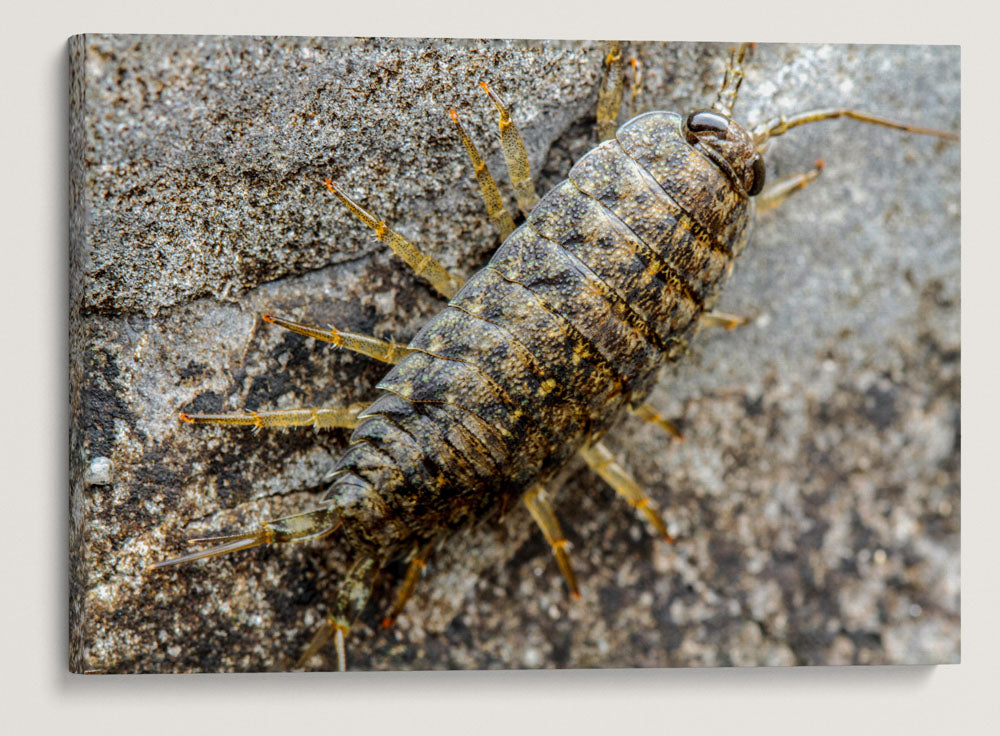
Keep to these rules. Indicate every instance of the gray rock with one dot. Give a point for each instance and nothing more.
(816, 497)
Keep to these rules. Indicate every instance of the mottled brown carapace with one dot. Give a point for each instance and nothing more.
(541, 350)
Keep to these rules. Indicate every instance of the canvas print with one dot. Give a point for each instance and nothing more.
(402, 354)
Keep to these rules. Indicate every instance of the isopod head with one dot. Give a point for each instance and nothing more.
(729, 147)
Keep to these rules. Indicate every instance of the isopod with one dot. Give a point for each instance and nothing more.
(556, 593)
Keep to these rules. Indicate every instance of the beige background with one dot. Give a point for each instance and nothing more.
(827, 700)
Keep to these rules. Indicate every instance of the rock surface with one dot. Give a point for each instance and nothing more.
(816, 497)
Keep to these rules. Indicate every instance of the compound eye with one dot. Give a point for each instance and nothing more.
(705, 121)
(759, 171)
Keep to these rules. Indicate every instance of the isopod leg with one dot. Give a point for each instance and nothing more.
(422, 264)
(297, 528)
(316, 417)
(501, 218)
(352, 596)
(413, 572)
(384, 350)
(726, 320)
(609, 98)
(648, 414)
(635, 87)
(780, 190)
(602, 462)
(514, 154)
(725, 100)
(544, 516)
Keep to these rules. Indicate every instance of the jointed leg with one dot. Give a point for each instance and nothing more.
(422, 264)
(609, 98)
(297, 528)
(725, 101)
(729, 321)
(413, 572)
(515, 155)
(780, 190)
(635, 88)
(495, 209)
(352, 596)
(316, 417)
(384, 350)
(602, 462)
(544, 516)
(648, 414)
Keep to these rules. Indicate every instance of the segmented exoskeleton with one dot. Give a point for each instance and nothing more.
(538, 354)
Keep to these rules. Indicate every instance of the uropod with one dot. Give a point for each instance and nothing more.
(625, 379)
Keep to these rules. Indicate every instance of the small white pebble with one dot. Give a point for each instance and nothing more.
(100, 472)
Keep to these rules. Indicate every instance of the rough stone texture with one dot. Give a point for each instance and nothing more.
(816, 498)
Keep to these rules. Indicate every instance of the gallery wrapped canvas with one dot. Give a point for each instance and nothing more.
(812, 505)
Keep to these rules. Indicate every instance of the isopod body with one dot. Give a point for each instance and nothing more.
(535, 425)
(543, 348)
